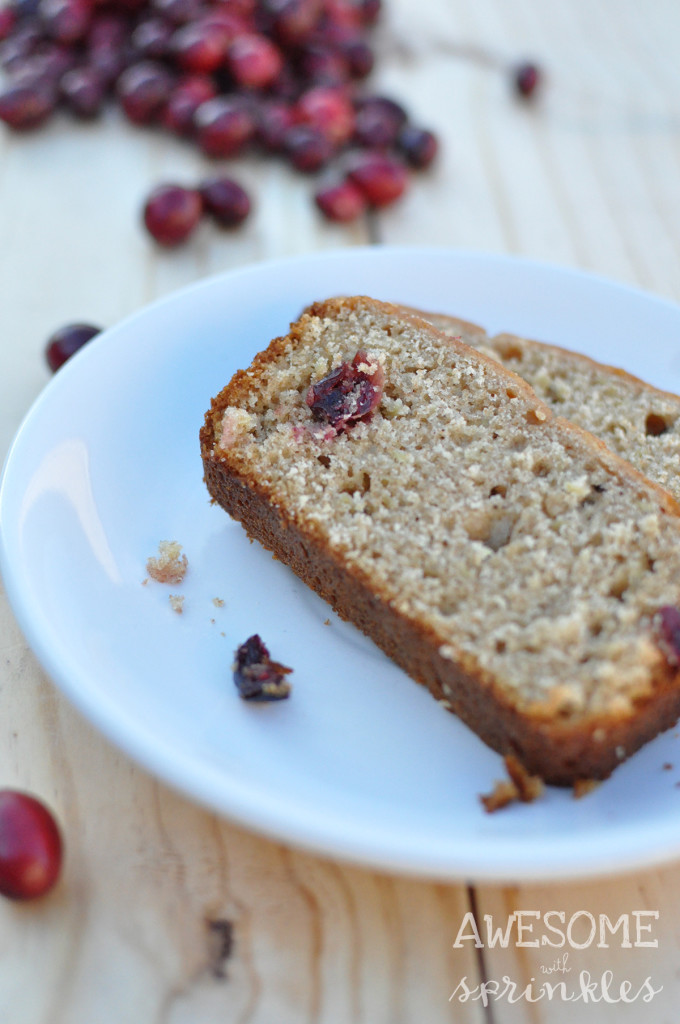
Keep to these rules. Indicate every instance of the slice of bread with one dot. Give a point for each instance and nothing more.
(637, 421)
(500, 555)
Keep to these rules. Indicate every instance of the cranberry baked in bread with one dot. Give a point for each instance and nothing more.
(503, 557)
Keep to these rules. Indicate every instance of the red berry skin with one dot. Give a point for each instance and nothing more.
(329, 110)
(143, 90)
(225, 201)
(307, 148)
(199, 48)
(380, 179)
(254, 61)
(31, 849)
(66, 341)
(224, 126)
(418, 146)
(23, 107)
(527, 79)
(185, 99)
(342, 202)
(8, 19)
(171, 214)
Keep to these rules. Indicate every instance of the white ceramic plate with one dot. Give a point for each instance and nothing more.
(360, 763)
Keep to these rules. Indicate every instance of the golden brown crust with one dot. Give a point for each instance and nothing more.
(559, 750)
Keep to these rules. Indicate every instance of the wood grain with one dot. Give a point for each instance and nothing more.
(166, 913)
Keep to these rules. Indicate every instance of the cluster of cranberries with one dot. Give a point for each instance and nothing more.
(30, 846)
(280, 75)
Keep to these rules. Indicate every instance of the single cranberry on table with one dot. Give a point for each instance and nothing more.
(342, 201)
(66, 341)
(31, 848)
(380, 178)
(225, 200)
(418, 146)
(172, 213)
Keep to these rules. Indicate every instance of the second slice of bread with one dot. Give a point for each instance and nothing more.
(637, 421)
(500, 555)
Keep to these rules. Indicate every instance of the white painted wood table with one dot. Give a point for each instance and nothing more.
(166, 913)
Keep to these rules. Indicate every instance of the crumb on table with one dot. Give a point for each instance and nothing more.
(177, 603)
(170, 565)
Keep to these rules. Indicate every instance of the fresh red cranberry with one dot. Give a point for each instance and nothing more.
(185, 99)
(225, 20)
(329, 110)
(23, 107)
(370, 10)
(224, 126)
(199, 48)
(292, 21)
(22, 43)
(667, 622)
(31, 849)
(307, 148)
(323, 65)
(64, 342)
(25, 9)
(381, 179)
(151, 37)
(350, 393)
(172, 213)
(8, 19)
(527, 78)
(83, 90)
(343, 14)
(418, 146)
(342, 202)
(254, 61)
(256, 676)
(67, 21)
(358, 57)
(107, 29)
(143, 90)
(225, 201)
(378, 122)
(274, 118)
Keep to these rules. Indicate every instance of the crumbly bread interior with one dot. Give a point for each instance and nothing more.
(536, 557)
(637, 421)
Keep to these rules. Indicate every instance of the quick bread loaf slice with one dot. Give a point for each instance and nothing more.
(637, 421)
(501, 556)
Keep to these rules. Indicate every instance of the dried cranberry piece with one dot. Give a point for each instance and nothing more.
(256, 676)
(527, 79)
(667, 622)
(350, 392)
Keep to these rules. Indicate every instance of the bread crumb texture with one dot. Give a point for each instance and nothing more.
(527, 550)
(170, 565)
